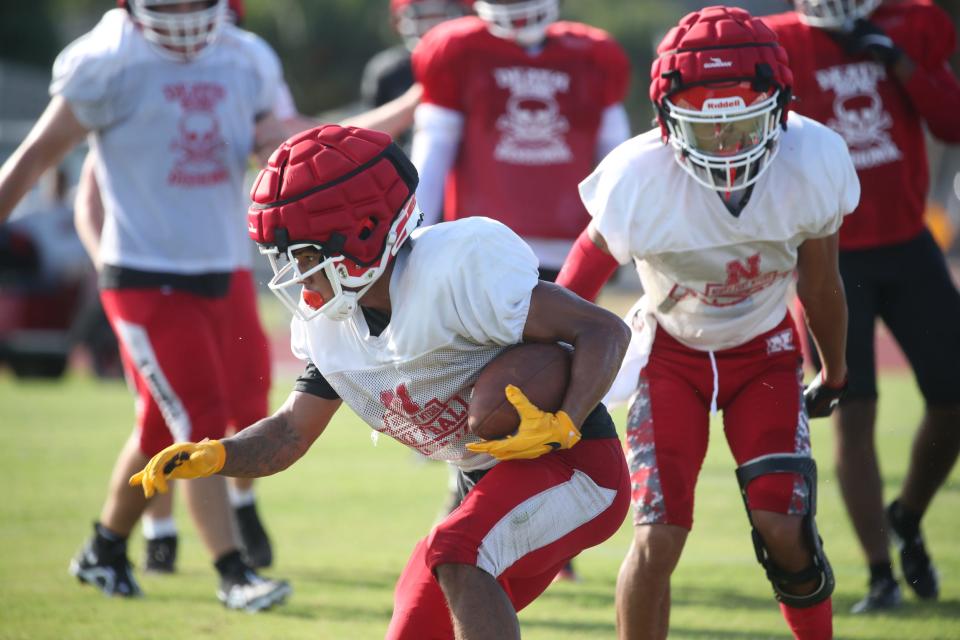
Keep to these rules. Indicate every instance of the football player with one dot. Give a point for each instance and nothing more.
(175, 99)
(388, 74)
(717, 221)
(877, 73)
(158, 525)
(336, 215)
(517, 108)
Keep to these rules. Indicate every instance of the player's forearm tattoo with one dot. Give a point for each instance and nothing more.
(262, 449)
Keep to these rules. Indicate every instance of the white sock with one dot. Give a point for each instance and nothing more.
(240, 498)
(154, 528)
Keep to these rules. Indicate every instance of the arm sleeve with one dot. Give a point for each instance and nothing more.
(614, 129)
(435, 62)
(616, 66)
(492, 284)
(936, 95)
(436, 139)
(933, 88)
(312, 381)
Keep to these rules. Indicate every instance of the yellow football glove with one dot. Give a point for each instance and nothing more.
(539, 432)
(180, 460)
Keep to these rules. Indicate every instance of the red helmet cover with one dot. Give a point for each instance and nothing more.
(713, 45)
(338, 187)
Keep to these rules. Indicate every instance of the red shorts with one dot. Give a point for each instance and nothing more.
(520, 523)
(198, 364)
(759, 387)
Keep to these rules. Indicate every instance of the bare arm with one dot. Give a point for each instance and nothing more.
(268, 134)
(55, 133)
(276, 442)
(392, 118)
(821, 291)
(88, 210)
(599, 339)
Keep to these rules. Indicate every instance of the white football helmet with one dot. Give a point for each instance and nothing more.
(524, 22)
(413, 18)
(833, 14)
(182, 34)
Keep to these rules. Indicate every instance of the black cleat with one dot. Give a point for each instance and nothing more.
(106, 569)
(257, 550)
(918, 570)
(161, 555)
(250, 592)
(884, 595)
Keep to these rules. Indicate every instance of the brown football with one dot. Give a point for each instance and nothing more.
(541, 371)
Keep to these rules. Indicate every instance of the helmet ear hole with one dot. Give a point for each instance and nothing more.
(367, 229)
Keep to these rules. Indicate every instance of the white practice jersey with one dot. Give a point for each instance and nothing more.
(460, 293)
(712, 280)
(172, 142)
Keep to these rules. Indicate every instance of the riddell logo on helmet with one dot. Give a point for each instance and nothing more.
(723, 104)
(717, 63)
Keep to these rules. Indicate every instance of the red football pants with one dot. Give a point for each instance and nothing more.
(197, 364)
(520, 523)
(759, 388)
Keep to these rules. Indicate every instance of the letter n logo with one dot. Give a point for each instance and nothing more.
(737, 271)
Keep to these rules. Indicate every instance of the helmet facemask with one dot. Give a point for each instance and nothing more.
(413, 19)
(523, 22)
(724, 136)
(182, 35)
(348, 279)
(833, 14)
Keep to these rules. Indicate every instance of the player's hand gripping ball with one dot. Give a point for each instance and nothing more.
(541, 370)
(180, 460)
(515, 426)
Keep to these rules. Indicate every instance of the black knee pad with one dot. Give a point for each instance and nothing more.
(819, 570)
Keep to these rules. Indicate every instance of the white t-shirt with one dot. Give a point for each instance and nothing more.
(460, 293)
(172, 141)
(712, 280)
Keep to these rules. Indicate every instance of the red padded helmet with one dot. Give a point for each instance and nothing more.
(721, 84)
(345, 191)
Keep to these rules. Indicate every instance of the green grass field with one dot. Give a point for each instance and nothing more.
(345, 517)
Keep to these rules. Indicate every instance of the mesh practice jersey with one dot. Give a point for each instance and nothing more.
(460, 293)
(713, 280)
(172, 141)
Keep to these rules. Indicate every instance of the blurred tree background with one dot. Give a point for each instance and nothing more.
(324, 44)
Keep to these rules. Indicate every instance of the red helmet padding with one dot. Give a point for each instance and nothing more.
(697, 51)
(329, 180)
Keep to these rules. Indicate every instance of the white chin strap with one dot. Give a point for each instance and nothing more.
(523, 22)
(179, 35)
(833, 14)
